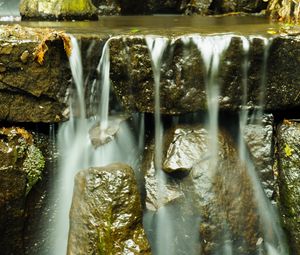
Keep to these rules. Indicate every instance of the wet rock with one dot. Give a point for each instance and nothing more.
(104, 133)
(29, 91)
(289, 180)
(218, 192)
(183, 75)
(12, 203)
(57, 9)
(195, 7)
(107, 7)
(259, 141)
(21, 165)
(225, 6)
(184, 149)
(106, 213)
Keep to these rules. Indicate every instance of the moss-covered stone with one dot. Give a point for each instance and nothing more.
(289, 180)
(57, 9)
(21, 166)
(106, 213)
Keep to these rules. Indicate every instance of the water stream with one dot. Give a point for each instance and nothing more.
(98, 140)
(76, 146)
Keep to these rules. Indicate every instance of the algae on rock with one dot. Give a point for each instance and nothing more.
(57, 9)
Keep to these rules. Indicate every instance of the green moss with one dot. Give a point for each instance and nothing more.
(33, 165)
(79, 6)
(105, 240)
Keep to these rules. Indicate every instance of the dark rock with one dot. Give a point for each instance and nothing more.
(106, 213)
(57, 9)
(207, 193)
(282, 91)
(259, 141)
(289, 180)
(21, 165)
(225, 6)
(29, 91)
(12, 204)
(107, 7)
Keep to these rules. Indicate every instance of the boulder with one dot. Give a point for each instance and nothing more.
(225, 6)
(107, 7)
(182, 86)
(106, 213)
(57, 9)
(288, 134)
(259, 139)
(204, 192)
(32, 91)
(21, 166)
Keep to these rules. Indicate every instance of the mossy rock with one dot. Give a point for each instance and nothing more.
(57, 9)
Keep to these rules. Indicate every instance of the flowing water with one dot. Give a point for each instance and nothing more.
(79, 152)
(76, 148)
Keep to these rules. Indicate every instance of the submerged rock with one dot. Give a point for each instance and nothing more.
(289, 180)
(57, 9)
(106, 213)
(21, 165)
(216, 192)
(102, 134)
(259, 139)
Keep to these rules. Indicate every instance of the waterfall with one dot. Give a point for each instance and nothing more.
(74, 141)
(212, 49)
(164, 232)
(273, 237)
(101, 139)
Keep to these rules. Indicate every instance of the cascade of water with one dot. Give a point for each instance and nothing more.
(273, 237)
(212, 49)
(157, 46)
(77, 151)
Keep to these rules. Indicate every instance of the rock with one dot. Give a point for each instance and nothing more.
(12, 204)
(205, 193)
(29, 91)
(106, 213)
(101, 135)
(185, 145)
(289, 180)
(107, 7)
(21, 166)
(182, 75)
(259, 141)
(225, 6)
(195, 7)
(57, 9)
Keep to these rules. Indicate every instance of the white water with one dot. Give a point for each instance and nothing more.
(77, 152)
(273, 236)
(212, 49)
(164, 232)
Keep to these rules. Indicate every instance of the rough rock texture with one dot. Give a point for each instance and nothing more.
(107, 7)
(289, 180)
(182, 75)
(106, 214)
(57, 9)
(259, 139)
(29, 91)
(21, 163)
(207, 193)
(225, 6)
